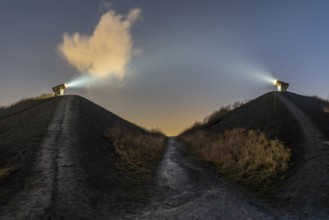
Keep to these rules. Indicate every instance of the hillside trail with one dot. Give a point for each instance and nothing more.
(310, 183)
(53, 190)
(187, 191)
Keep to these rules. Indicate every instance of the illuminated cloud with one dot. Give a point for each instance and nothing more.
(107, 51)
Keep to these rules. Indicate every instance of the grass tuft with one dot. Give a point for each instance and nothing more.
(246, 156)
(138, 150)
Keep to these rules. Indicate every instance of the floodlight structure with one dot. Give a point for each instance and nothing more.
(281, 86)
(59, 90)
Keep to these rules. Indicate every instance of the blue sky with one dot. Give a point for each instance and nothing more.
(194, 56)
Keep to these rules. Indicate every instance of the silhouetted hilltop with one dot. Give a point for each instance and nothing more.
(57, 160)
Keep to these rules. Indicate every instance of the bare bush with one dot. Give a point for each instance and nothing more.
(246, 156)
(221, 113)
(214, 117)
(319, 98)
(138, 150)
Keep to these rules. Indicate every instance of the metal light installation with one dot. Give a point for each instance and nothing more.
(281, 86)
(59, 90)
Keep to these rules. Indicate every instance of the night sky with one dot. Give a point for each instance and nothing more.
(185, 58)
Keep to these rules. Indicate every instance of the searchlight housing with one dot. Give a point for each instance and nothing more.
(281, 86)
(59, 90)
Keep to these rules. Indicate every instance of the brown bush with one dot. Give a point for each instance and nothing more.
(138, 150)
(246, 156)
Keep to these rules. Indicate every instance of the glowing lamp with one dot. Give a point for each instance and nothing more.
(280, 85)
(59, 90)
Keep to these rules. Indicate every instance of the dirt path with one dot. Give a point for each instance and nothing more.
(310, 184)
(54, 189)
(187, 191)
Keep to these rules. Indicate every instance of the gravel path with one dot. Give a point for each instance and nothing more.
(309, 185)
(187, 191)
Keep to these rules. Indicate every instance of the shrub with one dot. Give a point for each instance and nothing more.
(138, 150)
(246, 156)
(214, 117)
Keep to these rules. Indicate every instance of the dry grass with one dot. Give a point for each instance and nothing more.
(23, 105)
(246, 156)
(319, 98)
(214, 118)
(5, 172)
(45, 96)
(138, 150)
(22, 102)
(218, 115)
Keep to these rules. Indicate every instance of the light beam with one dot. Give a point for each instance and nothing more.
(84, 80)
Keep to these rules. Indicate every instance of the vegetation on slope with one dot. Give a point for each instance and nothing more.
(245, 156)
(138, 150)
(214, 117)
(253, 143)
(111, 183)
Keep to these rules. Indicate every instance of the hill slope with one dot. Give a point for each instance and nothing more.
(316, 109)
(267, 114)
(60, 163)
(73, 173)
(22, 129)
(308, 185)
(281, 115)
